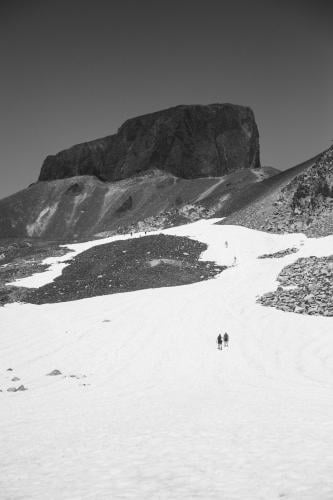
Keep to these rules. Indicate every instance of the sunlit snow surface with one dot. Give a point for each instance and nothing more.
(163, 414)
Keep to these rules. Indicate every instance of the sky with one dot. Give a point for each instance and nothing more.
(75, 70)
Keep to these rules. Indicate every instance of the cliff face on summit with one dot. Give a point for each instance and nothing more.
(186, 141)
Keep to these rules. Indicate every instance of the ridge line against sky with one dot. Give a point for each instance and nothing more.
(73, 71)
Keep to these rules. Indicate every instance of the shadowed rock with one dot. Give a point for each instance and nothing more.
(187, 141)
(53, 373)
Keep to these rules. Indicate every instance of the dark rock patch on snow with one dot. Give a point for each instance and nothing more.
(17, 389)
(311, 287)
(124, 266)
(278, 255)
(22, 259)
(53, 373)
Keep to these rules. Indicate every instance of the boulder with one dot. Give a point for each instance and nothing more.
(54, 373)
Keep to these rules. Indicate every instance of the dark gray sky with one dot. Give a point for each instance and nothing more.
(74, 70)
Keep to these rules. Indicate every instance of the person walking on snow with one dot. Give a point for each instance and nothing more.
(226, 339)
(226, 244)
(219, 341)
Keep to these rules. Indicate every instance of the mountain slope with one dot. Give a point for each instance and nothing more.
(255, 206)
(306, 203)
(81, 207)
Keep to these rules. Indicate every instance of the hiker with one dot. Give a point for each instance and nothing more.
(219, 342)
(235, 261)
(226, 339)
(226, 244)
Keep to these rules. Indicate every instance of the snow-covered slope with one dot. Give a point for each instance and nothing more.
(153, 410)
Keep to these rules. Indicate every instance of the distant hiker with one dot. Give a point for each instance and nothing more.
(235, 261)
(219, 341)
(226, 244)
(226, 339)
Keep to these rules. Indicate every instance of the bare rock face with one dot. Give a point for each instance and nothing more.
(187, 141)
(306, 203)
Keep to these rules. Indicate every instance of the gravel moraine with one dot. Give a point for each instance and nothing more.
(311, 287)
(123, 266)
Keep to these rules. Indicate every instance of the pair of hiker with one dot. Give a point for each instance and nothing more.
(234, 263)
(221, 339)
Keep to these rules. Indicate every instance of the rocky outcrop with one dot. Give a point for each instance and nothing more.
(278, 255)
(187, 141)
(259, 206)
(306, 287)
(306, 203)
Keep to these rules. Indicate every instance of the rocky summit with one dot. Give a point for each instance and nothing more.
(187, 141)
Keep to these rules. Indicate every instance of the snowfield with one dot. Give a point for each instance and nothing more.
(146, 407)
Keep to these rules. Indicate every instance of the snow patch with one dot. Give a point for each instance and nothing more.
(147, 407)
(209, 191)
(77, 201)
(36, 228)
(157, 262)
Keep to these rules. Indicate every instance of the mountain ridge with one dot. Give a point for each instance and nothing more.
(299, 199)
(84, 206)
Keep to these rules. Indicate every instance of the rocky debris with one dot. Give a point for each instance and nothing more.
(57, 372)
(53, 373)
(21, 388)
(169, 218)
(311, 287)
(24, 259)
(278, 255)
(75, 376)
(124, 266)
(306, 203)
(9, 369)
(28, 251)
(15, 379)
(187, 141)
(17, 389)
